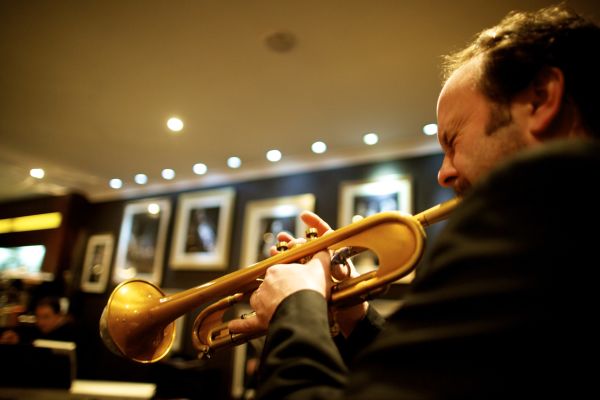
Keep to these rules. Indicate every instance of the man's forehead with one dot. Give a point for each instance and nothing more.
(465, 76)
(462, 80)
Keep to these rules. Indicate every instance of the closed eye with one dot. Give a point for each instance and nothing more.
(448, 141)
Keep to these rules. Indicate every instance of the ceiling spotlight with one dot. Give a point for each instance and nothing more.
(115, 183)
(153, 208)
(319, 147)
(37, 173)
(430, 129)
(199, 169)
(234, 162)
(273, 155)
(370, 138)
(141, 179)
(168, 174)
(175, 124)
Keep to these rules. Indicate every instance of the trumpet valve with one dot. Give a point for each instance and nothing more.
(311, 233)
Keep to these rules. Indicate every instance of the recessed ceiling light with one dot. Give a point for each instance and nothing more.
(273, 155)
(199, 169)
(115, 183)
(319, 147)
(141, 179)
(168, 174)
(175, 124)
(234, 162)
(37, 173)
(153, 208)
(370, 138)
(430, 129)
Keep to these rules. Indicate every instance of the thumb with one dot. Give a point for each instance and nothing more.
(318, 273)
(322, 259)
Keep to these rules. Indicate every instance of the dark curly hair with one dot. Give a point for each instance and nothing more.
(523, 43)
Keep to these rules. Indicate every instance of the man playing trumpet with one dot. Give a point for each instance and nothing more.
(494, 313)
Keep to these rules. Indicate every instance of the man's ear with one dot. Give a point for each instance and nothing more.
(545, 96)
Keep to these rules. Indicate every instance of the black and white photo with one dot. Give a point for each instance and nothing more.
(264, 219)
(96, 265)
(202, 230)
(142, 240)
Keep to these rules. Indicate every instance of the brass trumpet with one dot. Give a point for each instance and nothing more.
(138, 321)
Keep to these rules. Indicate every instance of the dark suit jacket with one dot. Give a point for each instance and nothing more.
(503, 309)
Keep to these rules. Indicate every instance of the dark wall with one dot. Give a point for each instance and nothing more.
(106, 217)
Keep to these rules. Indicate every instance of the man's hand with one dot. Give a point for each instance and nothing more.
(312, 220)
(281, 281)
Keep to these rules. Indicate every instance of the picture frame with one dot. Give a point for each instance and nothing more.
(264, 219)
(367, 197)
(202, 230)
(140, 252)
(96, 264)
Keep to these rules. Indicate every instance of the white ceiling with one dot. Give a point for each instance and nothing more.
(87, 86)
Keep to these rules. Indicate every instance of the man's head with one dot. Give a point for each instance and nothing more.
(48, 315)
(531, 78)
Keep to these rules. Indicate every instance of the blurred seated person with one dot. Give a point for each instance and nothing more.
(50, 324)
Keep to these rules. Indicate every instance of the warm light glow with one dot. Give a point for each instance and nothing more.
(370, 138)
(284, 210)
(381, 187)
(127, 273)
(168, 174)
(141, 179)
(5, 225)
(175, 124)
(273, 155)
(116, 183)
(153, 208)
(37, 173)
(430, 129)
(31, 222)
(319, 147)
(356, 218)
(199, 169)
(234, 162)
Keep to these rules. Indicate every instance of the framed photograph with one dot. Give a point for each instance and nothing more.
(264, 219)
(142, 241)
(96, 265)
(202, 230)
(364, 198)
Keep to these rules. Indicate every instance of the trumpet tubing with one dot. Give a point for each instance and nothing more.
(138, 321)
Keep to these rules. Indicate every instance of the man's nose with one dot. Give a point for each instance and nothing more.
(447, 173)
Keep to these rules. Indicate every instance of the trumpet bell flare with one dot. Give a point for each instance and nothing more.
(132, 326)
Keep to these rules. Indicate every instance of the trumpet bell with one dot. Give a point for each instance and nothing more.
(132, 325)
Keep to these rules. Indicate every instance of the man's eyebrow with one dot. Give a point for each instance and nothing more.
(443, 137)
(451, 129)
